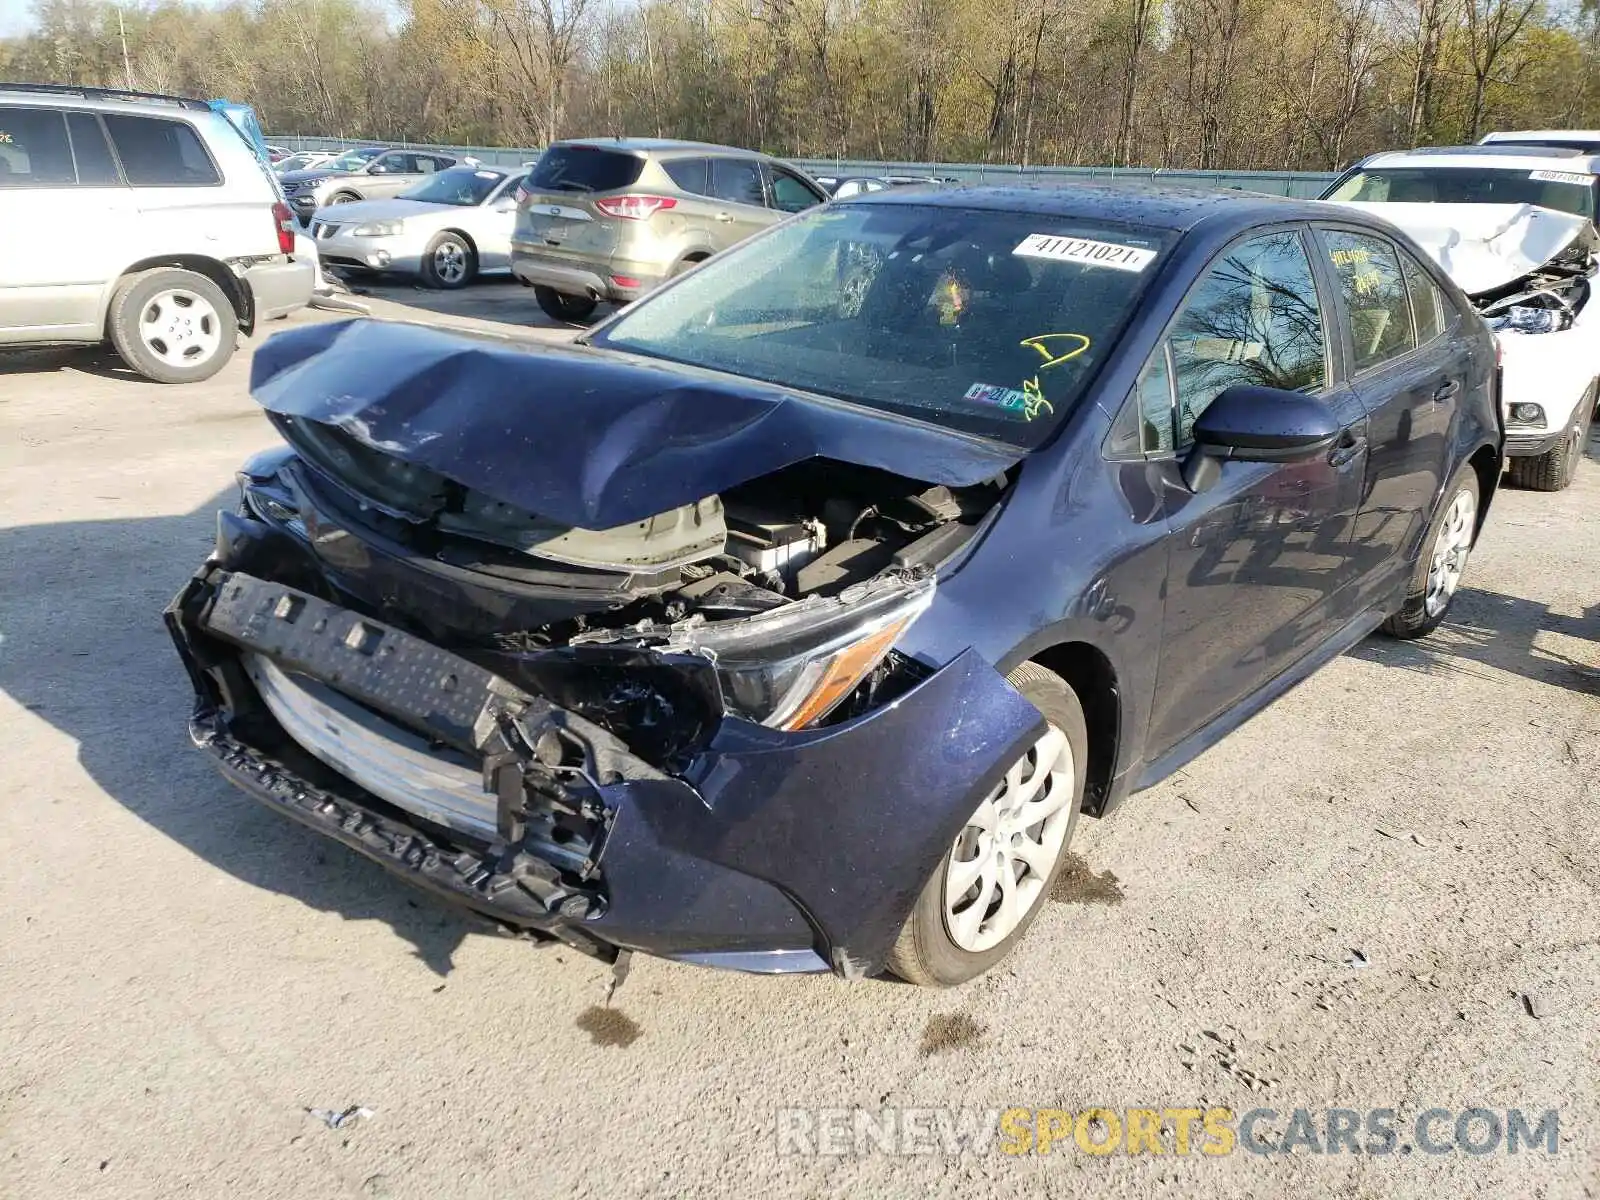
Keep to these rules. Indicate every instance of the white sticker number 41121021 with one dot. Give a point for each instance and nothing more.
(1086, 251)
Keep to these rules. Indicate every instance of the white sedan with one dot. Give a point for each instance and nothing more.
(445, 229)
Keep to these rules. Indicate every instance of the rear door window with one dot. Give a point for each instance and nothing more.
(1427, 302)
(584, 169)
(34, 150)
(738, 181)
(96, 167)
(691, 174)
(1368, 269)
(157, 152)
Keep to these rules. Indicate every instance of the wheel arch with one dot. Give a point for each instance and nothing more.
(1487, 462)
(234, 288)
(472, 242)
(1090, 673)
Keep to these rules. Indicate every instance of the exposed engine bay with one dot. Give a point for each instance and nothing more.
(1549, 299)
(777, 599)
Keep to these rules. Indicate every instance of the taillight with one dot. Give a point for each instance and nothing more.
(635, 208)
(284, 220)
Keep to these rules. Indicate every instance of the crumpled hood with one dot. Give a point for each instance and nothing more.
(586, 437)
(1483, 247)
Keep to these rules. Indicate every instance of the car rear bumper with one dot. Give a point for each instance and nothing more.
(281, 286)
(768, 850)
(597, 280)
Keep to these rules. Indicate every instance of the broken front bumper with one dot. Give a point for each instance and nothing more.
(770, 850)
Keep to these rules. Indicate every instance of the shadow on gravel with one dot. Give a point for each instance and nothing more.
(84, 648)
(91, 360)
(1489, 629)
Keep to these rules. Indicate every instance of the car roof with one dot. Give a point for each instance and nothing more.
(105, 100)
(1177, 209)
(1566, 135)
(650, 145)
(1496, 158)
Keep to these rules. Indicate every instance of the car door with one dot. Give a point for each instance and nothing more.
(492, 222)
(1259, 563)
(69, 216)
(1409, 368)
(738, 186)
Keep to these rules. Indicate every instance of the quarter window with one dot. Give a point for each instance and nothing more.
(1427, 305)
(1253, 319)
(1368, 269)
(156, 152)
(34, 151)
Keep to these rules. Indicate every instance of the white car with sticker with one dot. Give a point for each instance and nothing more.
(1514, 227)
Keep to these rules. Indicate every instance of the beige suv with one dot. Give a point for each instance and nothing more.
(609, 219)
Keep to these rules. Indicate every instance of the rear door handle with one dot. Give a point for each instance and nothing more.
(1350, 446)
(724, 216)
(1446, 390)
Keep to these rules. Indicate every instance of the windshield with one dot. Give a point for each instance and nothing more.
(459, 185)
(351, 160)
(986, 322)
(1565, 191)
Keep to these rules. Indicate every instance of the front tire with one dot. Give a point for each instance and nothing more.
(559, 306)
(1553, 470)
(995, 877)
(1441, 561)
(449, 262)
(172, 326)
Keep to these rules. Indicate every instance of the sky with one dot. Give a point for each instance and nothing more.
(16, 16)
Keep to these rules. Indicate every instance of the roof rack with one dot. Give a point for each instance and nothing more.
(100, 93)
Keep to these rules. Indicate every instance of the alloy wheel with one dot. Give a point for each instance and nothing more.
(1000, 862)
(1450, 550)
(180, 327)
(450, 262)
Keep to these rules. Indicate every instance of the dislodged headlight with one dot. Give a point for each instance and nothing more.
(378, 229)
(790, 667)
(1527, 414)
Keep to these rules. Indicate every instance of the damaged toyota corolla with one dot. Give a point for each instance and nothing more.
(790, 619)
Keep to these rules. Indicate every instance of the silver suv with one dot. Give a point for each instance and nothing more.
(371, 173)
(609, 219)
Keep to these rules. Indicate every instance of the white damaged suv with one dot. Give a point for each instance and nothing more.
(1514, 226)
(147, 221)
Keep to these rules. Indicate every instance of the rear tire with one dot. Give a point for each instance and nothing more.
(947, 939)
(1553, 471)
(1441, 561)
(559, 306)
(172, 326)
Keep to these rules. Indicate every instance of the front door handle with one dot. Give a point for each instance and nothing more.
(1446, 390)
(724, 216)
(1350, 446)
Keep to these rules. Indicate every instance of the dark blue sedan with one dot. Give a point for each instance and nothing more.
(791, 620)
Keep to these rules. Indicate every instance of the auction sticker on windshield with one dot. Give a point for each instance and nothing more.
(1085, 250)
(1560, 177)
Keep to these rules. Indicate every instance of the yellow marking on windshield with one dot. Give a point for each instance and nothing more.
(1052, 354)
(1033, 401)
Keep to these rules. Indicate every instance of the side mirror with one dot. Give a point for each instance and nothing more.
(1257, 424)
(377, 169)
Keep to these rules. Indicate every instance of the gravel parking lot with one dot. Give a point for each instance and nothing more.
(1381, 893)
